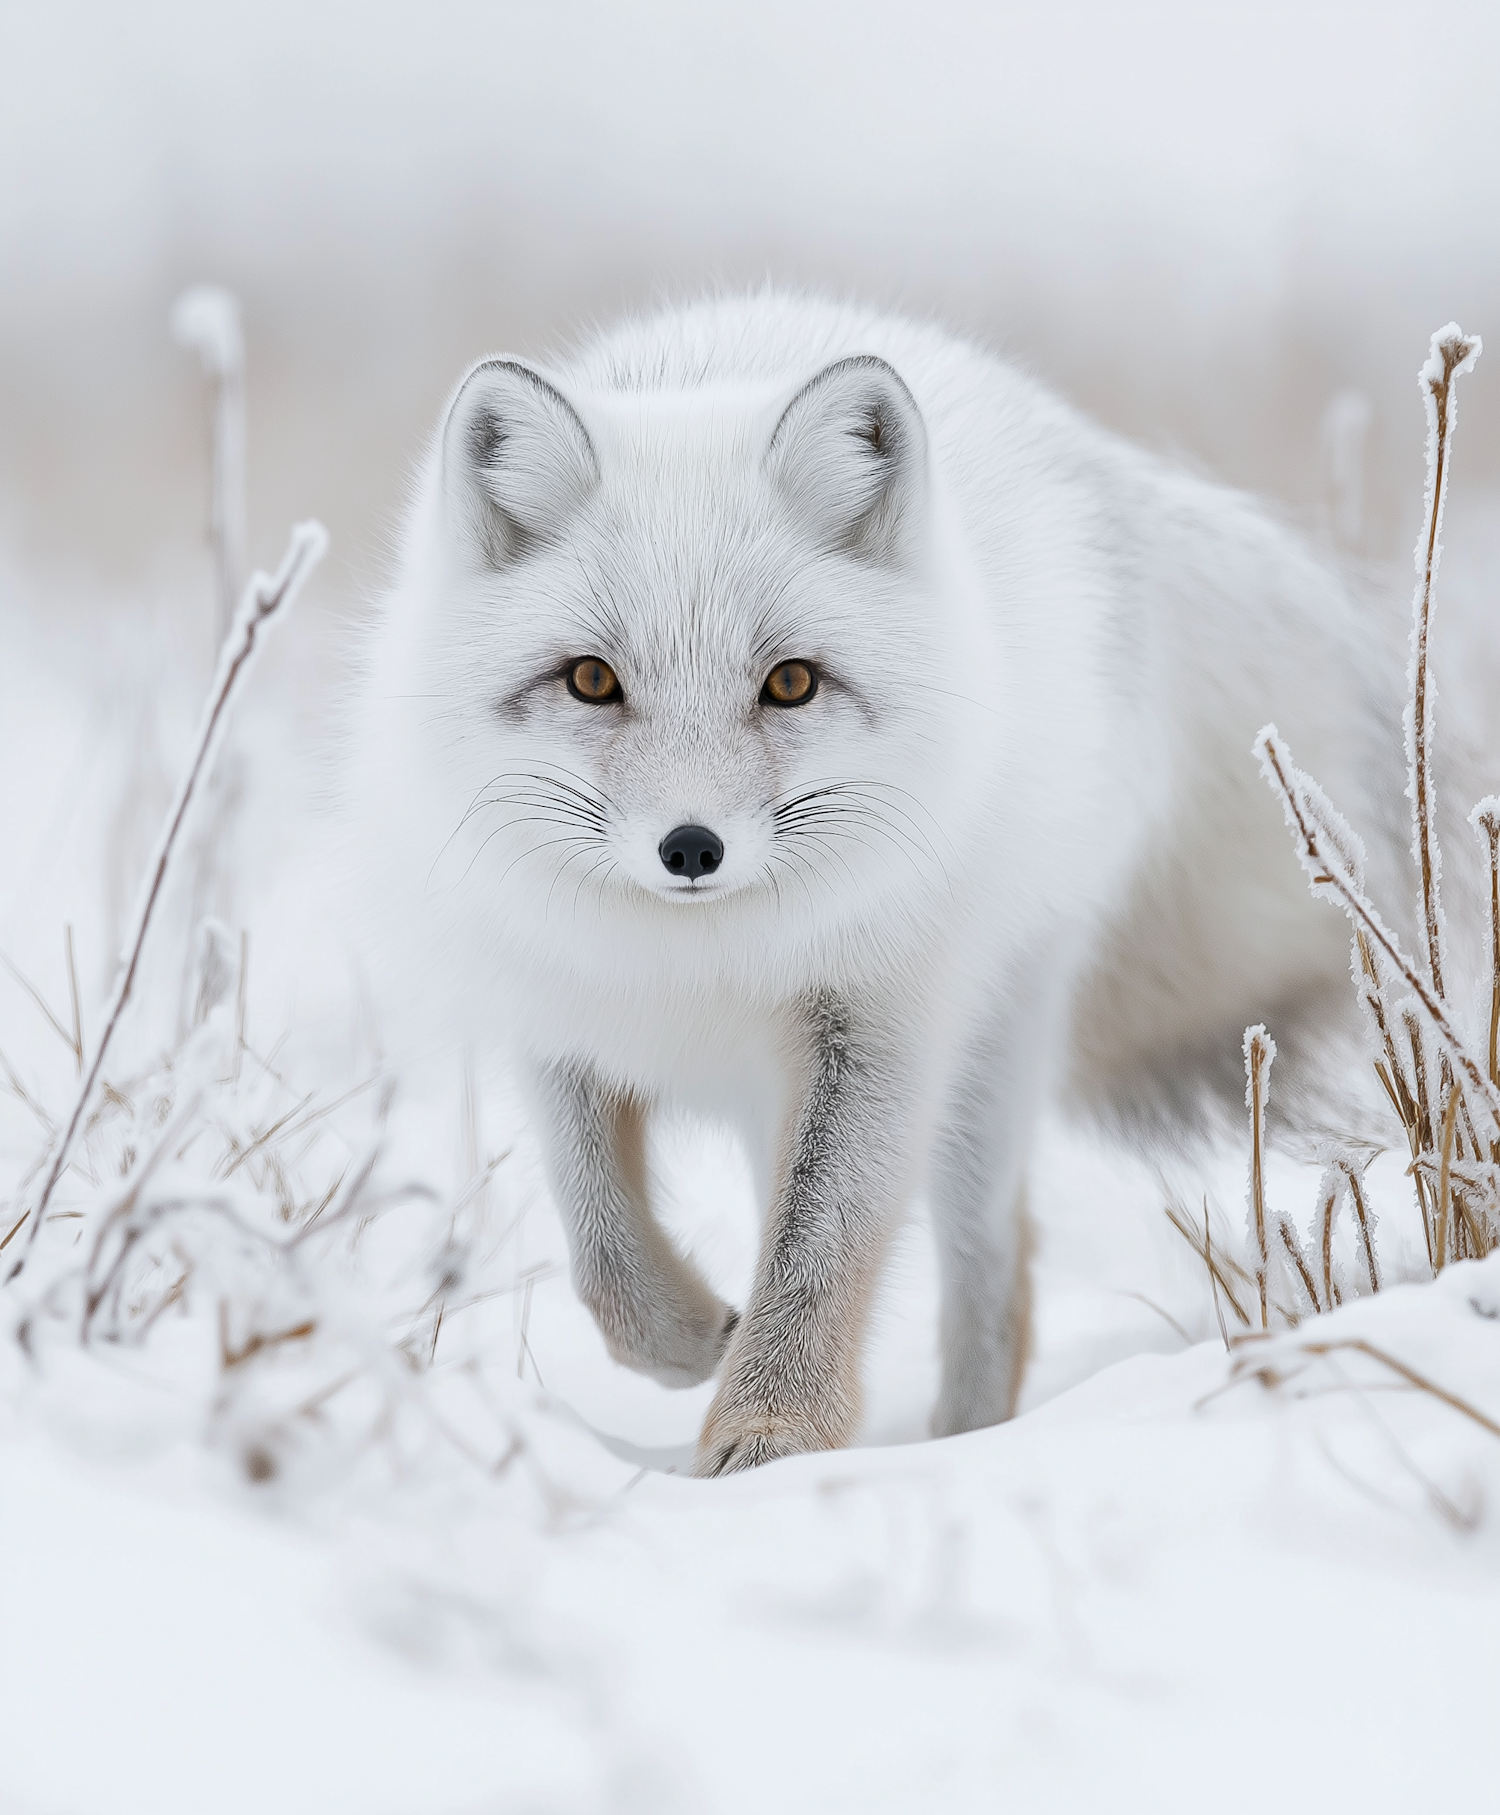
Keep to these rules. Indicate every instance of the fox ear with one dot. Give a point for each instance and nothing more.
(517, 461)
(850, 452)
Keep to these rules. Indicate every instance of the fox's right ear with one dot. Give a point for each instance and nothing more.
(517, 461)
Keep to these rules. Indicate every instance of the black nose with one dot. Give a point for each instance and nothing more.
(692, 851)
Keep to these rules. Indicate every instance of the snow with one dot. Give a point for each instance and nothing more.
(1153, 1590)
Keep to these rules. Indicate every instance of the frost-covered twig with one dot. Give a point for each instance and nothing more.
(1445, 1176)
(1451, 354)
(1323, 845)
(1260, 1051)
(1330, 1188)
(1270, 1234)
(265, 596)
(1355, 1175)
(207, 319)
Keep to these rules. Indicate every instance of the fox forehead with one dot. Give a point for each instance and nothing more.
(685, 557)
(682, 434)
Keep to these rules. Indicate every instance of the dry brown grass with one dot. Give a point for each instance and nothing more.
(1443, 1091)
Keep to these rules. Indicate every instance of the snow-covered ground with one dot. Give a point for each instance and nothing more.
(392, 1561)
(1176, 1585)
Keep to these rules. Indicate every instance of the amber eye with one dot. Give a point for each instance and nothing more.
(594, 681)
(790, 684)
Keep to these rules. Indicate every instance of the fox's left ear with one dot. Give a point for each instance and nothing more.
(850, 454)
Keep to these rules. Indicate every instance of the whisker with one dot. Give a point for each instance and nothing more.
(564, 799)
(785, 859)
(534, 851)
(836, 789)
(562, 870)
(842, 825)
(838, 857)
(842, 803)
(593, 868)
(561, 812)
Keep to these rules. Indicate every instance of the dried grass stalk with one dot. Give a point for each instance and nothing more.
(1445, 1096)
(1330, 1190)
(1252, 1365)
(1445, 1182)
(1260, 1051)
(1452, 353)
(1362, 1216)
(1298, 1259)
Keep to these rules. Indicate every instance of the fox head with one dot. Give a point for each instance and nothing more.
(684, 656)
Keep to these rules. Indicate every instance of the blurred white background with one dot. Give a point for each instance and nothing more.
(1202, 222)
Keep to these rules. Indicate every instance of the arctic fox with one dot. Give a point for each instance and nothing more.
(796, 715)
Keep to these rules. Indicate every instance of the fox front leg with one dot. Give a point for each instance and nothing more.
(654, 1309)
(791, 1377)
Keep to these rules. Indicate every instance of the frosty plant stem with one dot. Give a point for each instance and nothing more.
(1323, 853)
(1355, 1176)
(207, 319)
(265, 596)
(1445, 1177)
(1452, 353)
(1260, 1050)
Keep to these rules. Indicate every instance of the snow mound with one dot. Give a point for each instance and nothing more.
(1265, 1577)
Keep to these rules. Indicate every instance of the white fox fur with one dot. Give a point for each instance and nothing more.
(1014, 844)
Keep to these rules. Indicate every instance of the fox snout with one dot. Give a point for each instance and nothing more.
(692, 851)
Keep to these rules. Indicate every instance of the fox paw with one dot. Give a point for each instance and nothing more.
(675, 1351)
(745, 1440)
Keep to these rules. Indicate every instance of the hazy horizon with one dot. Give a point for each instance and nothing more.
(1201, 224)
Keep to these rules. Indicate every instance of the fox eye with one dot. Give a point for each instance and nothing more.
(593, 681)
(790, 684)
